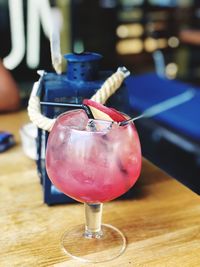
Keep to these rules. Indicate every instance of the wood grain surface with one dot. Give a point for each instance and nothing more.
(161, 221)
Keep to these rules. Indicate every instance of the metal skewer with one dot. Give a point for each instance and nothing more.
(163, 106)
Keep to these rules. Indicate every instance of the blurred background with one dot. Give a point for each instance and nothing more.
(125, 32)
(146, 36)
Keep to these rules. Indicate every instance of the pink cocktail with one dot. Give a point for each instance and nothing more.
(93, 161)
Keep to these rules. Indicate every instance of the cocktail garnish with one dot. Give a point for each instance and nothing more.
(102, 112)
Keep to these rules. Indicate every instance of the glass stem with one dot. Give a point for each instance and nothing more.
(93, 216)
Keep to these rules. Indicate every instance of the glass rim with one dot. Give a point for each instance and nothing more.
(108, 122)
(93, 119)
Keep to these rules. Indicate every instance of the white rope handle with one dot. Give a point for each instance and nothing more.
(34, 111)
(111, 85)
(107, 89)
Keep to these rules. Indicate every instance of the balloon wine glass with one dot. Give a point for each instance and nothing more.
(93, 161)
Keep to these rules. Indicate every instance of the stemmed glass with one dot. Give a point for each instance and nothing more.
(93, 161)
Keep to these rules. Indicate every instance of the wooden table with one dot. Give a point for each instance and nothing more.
(161, 222)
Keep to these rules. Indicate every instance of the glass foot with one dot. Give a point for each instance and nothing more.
(107, 247)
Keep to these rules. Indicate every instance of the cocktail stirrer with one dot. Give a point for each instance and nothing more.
(163, 106)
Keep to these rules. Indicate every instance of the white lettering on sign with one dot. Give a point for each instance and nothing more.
(38, 13)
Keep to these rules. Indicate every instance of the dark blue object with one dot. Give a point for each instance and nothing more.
(171, 140)
(149, 89)
(6, 141)
(81, 81)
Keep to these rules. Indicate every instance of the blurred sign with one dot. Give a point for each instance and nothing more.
(39, 14)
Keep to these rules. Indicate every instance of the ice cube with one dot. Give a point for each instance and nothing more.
(76, 119)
